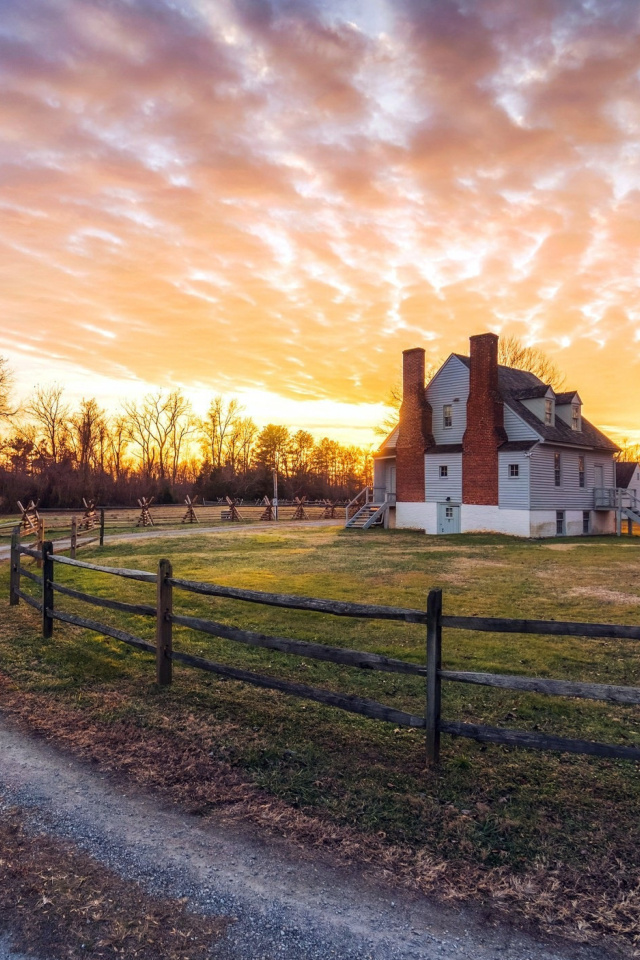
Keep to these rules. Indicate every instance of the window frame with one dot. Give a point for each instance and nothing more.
(581, 471)
(514, 471)
(447, 416)
(575, 416)
(557, 469)
(548, 412)
(586, 522)
(443, 471)
(560, 523)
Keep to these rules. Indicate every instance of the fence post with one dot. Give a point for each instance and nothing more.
(47, 589)
(434, 683)
(74, 537)
(164, 608)
(40, 540)
(14, 582)
(102, 526)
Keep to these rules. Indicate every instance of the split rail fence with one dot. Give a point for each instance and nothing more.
(430, 671)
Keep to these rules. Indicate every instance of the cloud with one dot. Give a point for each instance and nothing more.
(284, 195)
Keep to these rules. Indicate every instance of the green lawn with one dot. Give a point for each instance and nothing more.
(490, 811)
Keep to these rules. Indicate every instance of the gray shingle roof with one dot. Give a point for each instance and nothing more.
(624, 473)
(517, 384)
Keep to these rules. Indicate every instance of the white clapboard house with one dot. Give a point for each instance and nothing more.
(489, 447)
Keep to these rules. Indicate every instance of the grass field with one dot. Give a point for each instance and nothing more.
(552, 838)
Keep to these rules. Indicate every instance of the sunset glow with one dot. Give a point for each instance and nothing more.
(273, 199)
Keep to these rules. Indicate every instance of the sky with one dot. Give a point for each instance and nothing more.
(272, 199)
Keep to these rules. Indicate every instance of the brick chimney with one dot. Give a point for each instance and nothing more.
(415, 433)
(485, 423)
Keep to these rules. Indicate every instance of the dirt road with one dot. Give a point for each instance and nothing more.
(283, 905)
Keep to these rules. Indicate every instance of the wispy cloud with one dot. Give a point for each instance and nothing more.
(283, 195)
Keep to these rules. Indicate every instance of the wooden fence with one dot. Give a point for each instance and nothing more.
(431, 671)
(168, 514)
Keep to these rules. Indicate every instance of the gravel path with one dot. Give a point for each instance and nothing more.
(285, 907)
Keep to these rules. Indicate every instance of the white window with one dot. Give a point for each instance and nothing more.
(575, 416)
(514, 469)
(444, 470)
(548, 411)
(448, 512)
(581, 471)
(559, 523)
(447, 415)
(557, 469)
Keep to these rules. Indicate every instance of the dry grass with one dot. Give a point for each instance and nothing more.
(56, 900)
(598, 903)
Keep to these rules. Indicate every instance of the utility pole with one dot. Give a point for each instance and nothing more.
(275, 490)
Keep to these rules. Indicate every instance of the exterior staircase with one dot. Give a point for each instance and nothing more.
(623, 501)
(368, 516)
(366, 513)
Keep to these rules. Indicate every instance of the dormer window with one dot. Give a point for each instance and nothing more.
(548, 412)
(575, 416)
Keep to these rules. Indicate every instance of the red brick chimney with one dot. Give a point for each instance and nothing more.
(485, 423)
(415, 433)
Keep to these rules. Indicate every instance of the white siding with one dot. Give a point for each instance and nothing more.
(438, 488)
(416, 516)
(477, 518)
(513, 492)
(569, 495)
(450, 385)
(516, 428)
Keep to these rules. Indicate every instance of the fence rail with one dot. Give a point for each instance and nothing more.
(431, 670)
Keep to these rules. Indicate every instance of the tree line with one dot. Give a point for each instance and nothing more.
(157, 446)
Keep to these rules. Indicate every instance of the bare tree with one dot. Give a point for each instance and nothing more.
(394, 401)
(6, 387)
(117, 438)
(183, 426)
(51, 416)
(218, 428)
(155, 427)
(513, 353)
(247, 433)
(629, 451)
(87, 431)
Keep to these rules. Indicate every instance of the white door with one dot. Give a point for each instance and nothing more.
(599, 475)
(391, 480)
(448, 518)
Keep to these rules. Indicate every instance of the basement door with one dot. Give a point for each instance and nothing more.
(448, 518)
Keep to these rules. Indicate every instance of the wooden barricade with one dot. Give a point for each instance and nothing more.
(145, 519)
(89, 517)
(268, 512)
(300, 513)
(190, 514)
(330, 507)
(30, 517)
(232, 512)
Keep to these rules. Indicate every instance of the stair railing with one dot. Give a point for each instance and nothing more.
(357, 503)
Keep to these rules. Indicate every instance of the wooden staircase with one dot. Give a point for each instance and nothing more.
(370, 515)
(363, 513)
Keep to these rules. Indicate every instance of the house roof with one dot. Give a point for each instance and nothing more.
(566, 396)
(515, 385)
(388, 445)
(624, 473)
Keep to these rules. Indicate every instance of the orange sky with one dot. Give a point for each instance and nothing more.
(273, 198)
